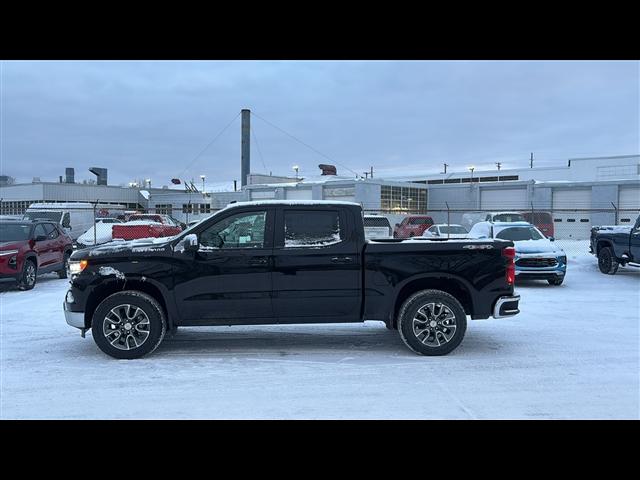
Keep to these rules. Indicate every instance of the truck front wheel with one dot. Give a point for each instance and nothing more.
(607, 262)
(128, 324)
(432, 322)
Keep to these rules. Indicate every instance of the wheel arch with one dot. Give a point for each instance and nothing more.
(108, 288)
(602, 243)
(457, 287)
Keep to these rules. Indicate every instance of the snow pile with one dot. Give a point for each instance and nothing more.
(312, 242)
(106, 271)
(103, 233)
(141, 222)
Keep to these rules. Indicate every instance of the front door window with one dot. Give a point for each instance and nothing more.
(244, 230)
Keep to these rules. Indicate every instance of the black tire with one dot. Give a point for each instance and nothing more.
(556, 281)
(411, 335)
(29, 275)
(155, 319)
(64, 273)
(607, 262)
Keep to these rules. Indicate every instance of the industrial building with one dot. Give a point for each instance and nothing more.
(16, 198)
(581, 193)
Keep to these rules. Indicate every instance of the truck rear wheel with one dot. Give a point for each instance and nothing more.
(607, 262)
(128, 324)
(432, 322)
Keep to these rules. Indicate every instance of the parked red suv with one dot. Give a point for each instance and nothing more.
(30, 248)
(412, 226)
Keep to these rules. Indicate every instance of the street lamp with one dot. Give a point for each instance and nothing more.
(471, 169)
(296, 168)
(202, 177)
(148, 182)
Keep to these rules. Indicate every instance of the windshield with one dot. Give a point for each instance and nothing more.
(453, 229)
(421, 221)
(376, 222)
(517, 234)
(508, 217)
(12, 232)
(53, 216)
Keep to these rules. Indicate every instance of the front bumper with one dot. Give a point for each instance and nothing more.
(506, 306)
(75, 319)
(540, 274)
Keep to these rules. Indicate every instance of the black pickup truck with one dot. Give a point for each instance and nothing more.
(279, 262)
(616, 245)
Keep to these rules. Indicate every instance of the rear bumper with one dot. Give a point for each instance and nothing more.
(506, 306)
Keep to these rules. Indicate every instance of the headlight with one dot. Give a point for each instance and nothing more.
(76, 267)
(8, 252)
(563, 259)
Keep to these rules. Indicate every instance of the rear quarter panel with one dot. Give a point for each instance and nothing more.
(388, 267)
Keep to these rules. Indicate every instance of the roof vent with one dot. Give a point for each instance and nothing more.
(328, 169)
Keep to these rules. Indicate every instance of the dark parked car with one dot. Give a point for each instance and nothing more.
(616, 245)
(287, 262)
(28, 249)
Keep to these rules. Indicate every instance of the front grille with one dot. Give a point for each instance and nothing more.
(537, 262)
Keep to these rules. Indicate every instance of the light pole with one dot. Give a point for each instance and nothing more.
(296, 168)
(202, 177)
(471, 169)
(148, 182)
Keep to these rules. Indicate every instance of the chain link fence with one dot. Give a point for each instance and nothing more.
(90, 224)
(569, 228)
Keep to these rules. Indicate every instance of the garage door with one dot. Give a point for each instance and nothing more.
(629, 198)
(503, 199)
(299, 194)
(571, 221)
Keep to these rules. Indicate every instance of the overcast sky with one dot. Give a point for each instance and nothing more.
(151, 119)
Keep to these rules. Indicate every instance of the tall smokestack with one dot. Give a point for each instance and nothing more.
(245, 147)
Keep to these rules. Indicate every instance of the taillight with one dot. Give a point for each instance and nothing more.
(510, 254)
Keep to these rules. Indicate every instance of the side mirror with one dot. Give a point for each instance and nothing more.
(552, 239)
(191, 242)
(397, 225)
(41, 238)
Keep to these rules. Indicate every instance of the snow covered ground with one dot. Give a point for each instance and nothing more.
(573, 352)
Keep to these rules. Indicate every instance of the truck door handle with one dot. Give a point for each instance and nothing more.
(341, 260)
(259, 261)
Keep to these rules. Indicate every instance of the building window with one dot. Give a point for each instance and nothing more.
(508, 177)
(403, 199)
(164, 208)
(205, 208)
(187, 208)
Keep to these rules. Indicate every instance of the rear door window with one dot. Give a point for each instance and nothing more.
(318, 228)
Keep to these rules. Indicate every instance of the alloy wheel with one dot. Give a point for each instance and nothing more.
(126, 327)
(434, 324)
